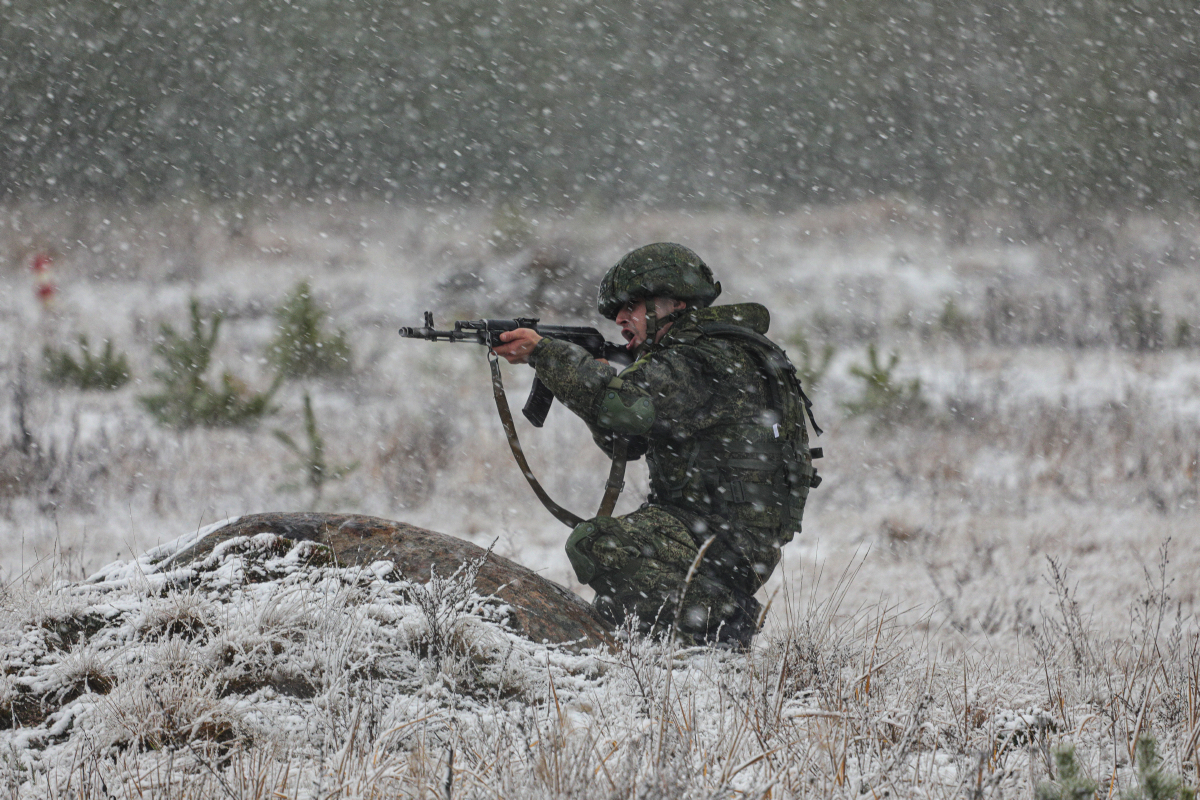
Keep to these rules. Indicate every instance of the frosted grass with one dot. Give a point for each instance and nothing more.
(1075, 451)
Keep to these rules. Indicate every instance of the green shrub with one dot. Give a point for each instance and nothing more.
(109, 370)
(301, 348)
(1184, 336)
(312, 457)
(952, 321)
(882, 395)
(187, 398)
(1153, 782)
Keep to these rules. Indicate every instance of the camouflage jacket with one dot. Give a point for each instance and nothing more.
(722, 447)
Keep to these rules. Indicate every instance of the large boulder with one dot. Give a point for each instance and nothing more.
(542, 610)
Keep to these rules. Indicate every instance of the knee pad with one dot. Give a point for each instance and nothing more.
(582, 543)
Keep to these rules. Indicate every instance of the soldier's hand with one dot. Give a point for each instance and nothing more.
(518, 345)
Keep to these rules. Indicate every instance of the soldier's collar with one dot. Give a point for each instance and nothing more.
(654, 324)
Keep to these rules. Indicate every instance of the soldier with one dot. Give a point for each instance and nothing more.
(718, 412)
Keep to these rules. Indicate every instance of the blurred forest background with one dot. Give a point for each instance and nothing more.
(1069, 104)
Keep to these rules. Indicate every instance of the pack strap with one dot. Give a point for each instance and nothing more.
(616, 474)
(776, 358)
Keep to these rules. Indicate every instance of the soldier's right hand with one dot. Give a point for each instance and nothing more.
(518, 344)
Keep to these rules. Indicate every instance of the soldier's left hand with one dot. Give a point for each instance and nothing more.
(518, 345)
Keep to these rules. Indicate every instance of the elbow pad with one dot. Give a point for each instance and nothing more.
(634, 418)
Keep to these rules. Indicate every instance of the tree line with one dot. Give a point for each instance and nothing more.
(567, 102)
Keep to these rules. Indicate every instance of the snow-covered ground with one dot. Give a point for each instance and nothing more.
(264, 670)
(1047, 444)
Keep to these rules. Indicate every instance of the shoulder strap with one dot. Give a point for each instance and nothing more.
(773, 357)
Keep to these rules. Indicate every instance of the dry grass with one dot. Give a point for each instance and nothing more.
(838, 702)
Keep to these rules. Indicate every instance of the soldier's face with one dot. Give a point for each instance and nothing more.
(632, 319)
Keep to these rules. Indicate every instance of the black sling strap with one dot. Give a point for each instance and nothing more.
(616, 473)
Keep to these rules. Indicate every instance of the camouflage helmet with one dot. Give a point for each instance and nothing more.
(662, 269)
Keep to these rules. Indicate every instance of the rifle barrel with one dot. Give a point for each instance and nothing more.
(487, 332)
(430, 335)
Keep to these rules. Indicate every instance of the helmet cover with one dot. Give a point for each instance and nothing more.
(662, 269)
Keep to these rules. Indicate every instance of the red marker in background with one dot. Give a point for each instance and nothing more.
(44, 286)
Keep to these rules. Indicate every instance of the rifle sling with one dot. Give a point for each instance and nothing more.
(616, 474)
(616, 477)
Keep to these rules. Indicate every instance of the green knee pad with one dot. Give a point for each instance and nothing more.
(586, 568)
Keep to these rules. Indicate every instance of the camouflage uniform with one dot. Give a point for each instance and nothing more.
(721, 424)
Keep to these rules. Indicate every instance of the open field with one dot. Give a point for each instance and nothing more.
(1001, 563)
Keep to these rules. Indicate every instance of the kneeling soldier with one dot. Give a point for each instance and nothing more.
(716, 408)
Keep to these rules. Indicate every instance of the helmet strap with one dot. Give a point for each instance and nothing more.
(654, 324)
(651, 327)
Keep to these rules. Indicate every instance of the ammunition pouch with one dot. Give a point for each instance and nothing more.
(634, 419)
(763, 482)
(765, 475)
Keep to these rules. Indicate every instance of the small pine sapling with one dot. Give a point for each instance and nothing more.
(953, 321)
(187, 399)
(1072, 783)
(312, 457)
(1184, 335)
(1155, 783)
(882, 395)
(1140, 327)
(108, 371)
(810, 369)
(301, 347)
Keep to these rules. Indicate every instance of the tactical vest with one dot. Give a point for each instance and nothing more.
(750, 474)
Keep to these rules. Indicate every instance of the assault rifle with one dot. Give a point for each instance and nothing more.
(487, 332)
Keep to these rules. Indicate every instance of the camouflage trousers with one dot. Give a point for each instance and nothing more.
(639, 563)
